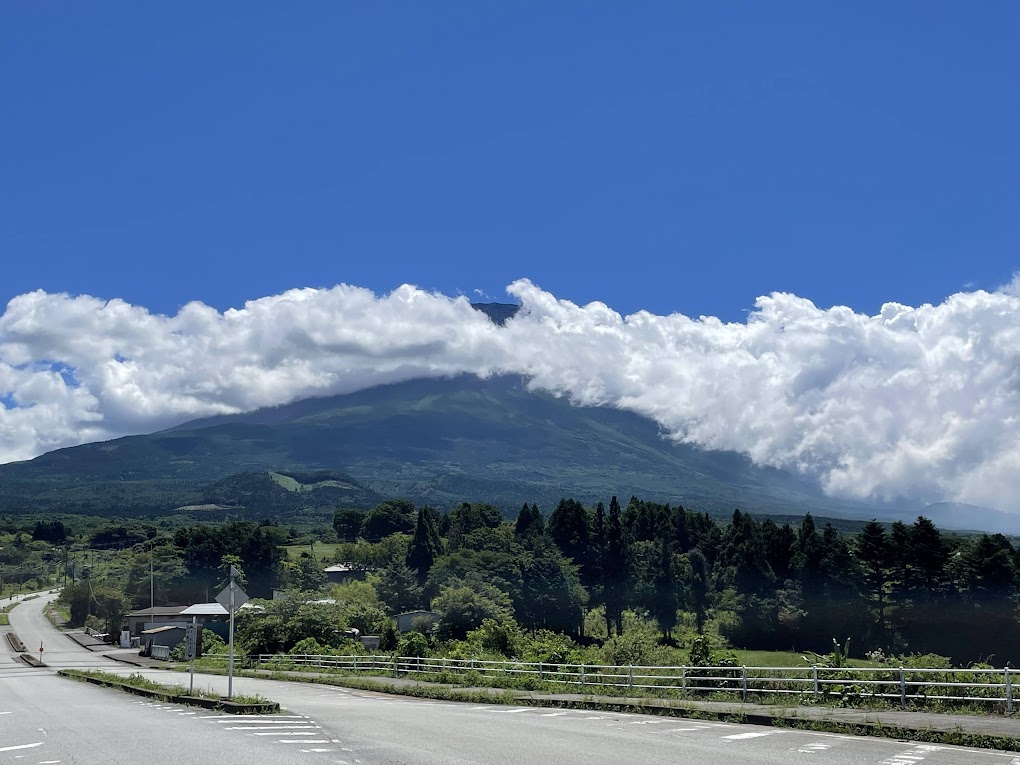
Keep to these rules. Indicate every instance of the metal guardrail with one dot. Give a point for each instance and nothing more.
(896, 684)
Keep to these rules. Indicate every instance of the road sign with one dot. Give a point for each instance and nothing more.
(190, 642)
(240, 598)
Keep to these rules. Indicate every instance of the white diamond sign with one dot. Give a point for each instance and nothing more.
(240, 597)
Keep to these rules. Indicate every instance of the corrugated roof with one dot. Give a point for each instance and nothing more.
(159, 611)
(205, 609)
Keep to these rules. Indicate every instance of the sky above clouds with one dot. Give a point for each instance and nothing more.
(788, 229)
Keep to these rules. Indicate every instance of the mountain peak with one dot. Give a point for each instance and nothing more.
(499, 313)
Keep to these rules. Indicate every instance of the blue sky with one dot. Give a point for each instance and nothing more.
(669, 156)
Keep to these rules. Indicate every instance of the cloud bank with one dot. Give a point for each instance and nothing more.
(921, 403)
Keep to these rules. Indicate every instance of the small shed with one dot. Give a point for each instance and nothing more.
(420, 621)
(159, 641)
(160, 616)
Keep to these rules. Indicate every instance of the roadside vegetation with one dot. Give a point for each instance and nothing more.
(641, 584)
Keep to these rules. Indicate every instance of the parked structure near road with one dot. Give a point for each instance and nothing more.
(151, 618)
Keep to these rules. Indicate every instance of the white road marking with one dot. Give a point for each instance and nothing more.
(741, 736)
(299, 721)
(912, 756)
(231, 718)
(48, 762)
(290, 731)
(812, 748)
(20, 746)
(273, 727)
(317, 749)
(303, 741)
(6, 713)
(682, 730)
(547, 714)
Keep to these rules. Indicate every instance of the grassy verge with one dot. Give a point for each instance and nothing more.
(167, 693)
(5, 620)
(440, 693)
(845, 696)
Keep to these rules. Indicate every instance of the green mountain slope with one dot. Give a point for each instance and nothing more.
(438, 441)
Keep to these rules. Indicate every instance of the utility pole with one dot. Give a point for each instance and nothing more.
(152, 588)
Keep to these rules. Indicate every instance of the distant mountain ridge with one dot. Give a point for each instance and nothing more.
(963, 517)
(439, 441)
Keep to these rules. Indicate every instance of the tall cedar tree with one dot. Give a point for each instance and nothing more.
(665, 581)
(529, 523)
(421, 553)
(616, 570)
(875, 556)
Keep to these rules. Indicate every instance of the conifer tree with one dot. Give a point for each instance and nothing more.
(616, 569)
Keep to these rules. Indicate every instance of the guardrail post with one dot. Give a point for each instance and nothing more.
(395, 672)
(903, 688)
(582, 674)
(504, 667)
(540, 670)
(1009, 692)
(814, 677)
(355, 663)
(630, 680)
(743, 683)
(683, 679)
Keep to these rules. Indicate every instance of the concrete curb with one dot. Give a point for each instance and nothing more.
(15, 641)
(220, 705)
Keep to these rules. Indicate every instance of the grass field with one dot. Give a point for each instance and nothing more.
(321, 550)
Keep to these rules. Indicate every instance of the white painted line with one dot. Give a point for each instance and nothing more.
(299, 721)
(227, 718)
(742, 736)
(682, 730)
(812, 748)
(6, 713)
(303, 741)
(273, 727)
(48, 762)
(289, 731)
(317, 749)
(512, 711)
(20, 746)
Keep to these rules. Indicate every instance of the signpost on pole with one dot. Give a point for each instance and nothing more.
(191, 649)
(231, 598)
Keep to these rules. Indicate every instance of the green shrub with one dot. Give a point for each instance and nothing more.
(413, 644)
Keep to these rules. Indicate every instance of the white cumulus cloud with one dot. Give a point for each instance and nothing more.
(912, 402)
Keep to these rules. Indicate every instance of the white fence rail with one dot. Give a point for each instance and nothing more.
(895, 684)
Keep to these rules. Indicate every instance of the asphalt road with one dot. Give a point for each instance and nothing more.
(336, 725)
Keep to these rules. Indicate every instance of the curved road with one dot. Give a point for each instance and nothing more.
(67, 722)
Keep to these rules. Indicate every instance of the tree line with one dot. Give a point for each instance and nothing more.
(897, 587)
